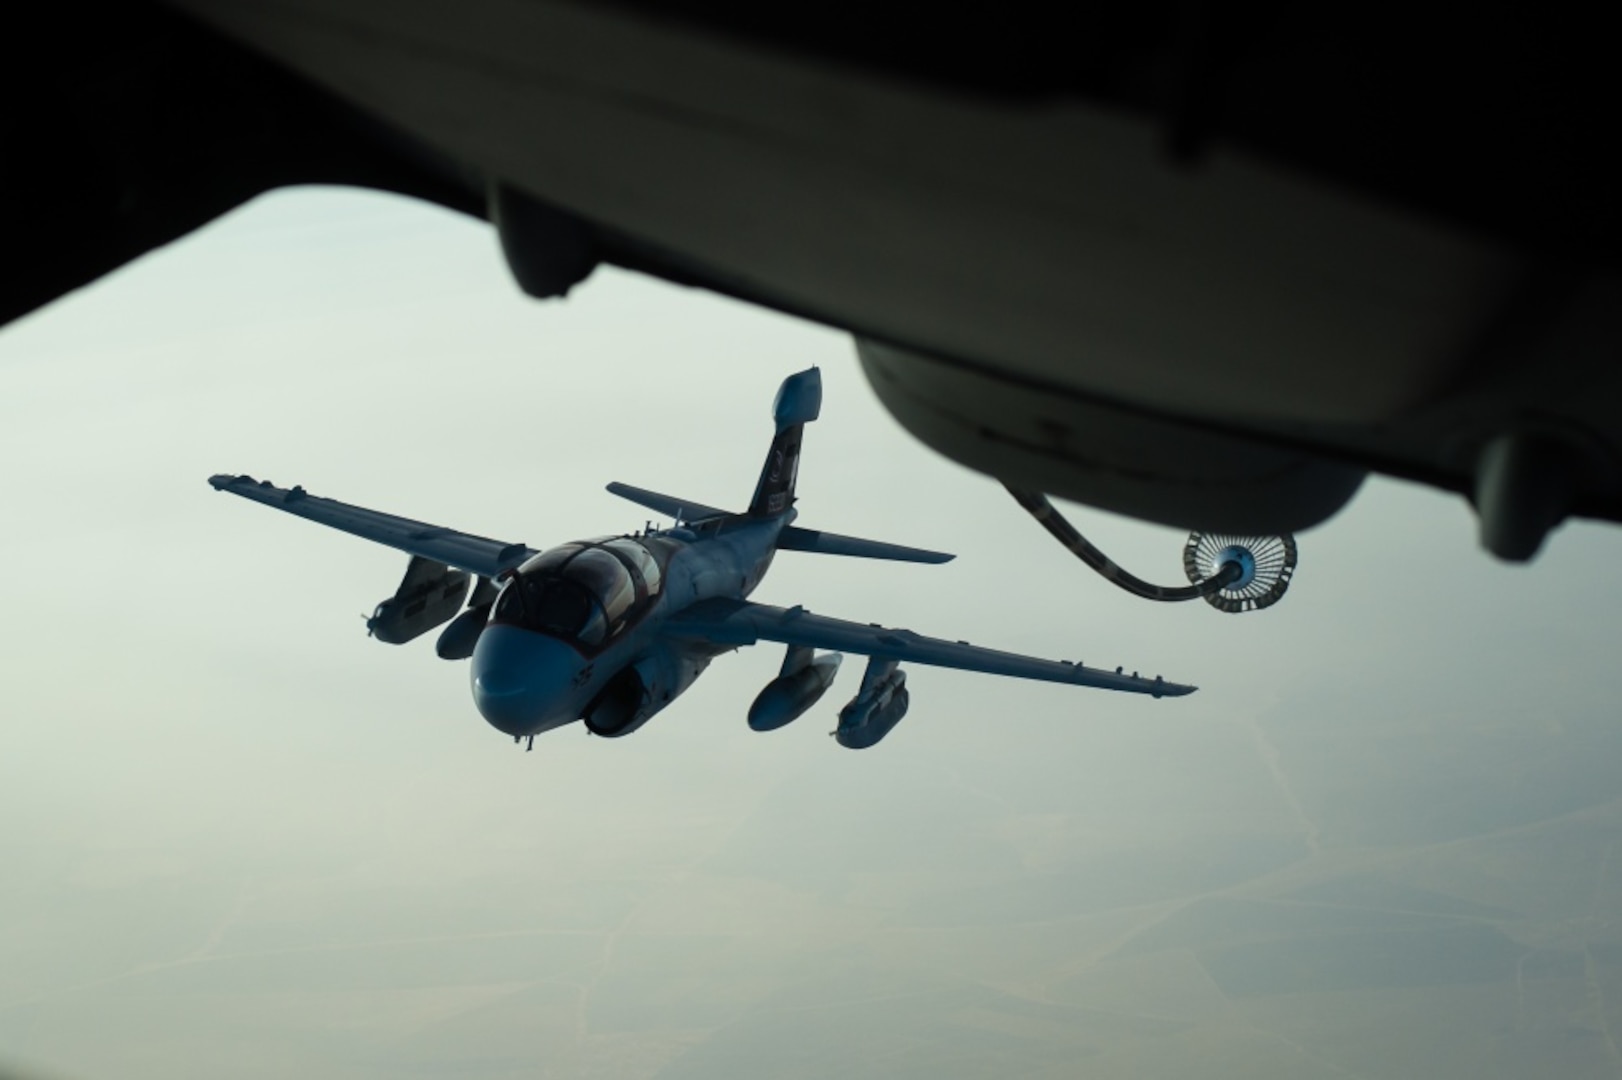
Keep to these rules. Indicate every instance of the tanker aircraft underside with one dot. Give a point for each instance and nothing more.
(610, 631)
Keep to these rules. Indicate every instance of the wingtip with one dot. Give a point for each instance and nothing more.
(1161, 688)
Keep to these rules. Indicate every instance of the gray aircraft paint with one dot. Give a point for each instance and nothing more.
(530, 675)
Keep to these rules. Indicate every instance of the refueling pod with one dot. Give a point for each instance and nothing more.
(805, 677)
(429, 594)
(877, 707)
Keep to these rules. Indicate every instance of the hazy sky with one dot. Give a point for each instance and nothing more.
(240, 839)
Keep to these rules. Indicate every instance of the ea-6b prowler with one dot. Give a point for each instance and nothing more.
(610, 631)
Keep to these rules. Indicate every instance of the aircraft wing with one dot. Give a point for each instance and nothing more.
(738, 622)
(669, 505)
(475, 554)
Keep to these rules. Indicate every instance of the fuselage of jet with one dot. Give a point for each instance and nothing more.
(614, 669)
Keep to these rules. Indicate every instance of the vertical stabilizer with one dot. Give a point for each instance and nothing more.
(798, 402)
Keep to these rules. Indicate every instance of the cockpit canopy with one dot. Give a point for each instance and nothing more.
(584, 592)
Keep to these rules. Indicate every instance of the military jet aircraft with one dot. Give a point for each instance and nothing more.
(610, 631)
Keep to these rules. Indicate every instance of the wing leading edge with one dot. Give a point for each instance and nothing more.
(669, 505)
(475, 554)
(738, 622)
(826, 543)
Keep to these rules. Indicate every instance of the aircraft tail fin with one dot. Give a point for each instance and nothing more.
(798, 402)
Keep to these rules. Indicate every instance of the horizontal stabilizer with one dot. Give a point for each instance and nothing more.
(827, 543)
(684, 509)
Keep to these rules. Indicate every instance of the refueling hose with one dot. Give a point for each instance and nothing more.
(1037, 505)
(1232, 573)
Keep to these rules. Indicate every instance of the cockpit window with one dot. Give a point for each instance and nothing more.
(552, 605)
(605, 578)
(582, 592)
(551, 560)
(641, 561)
(565, 610)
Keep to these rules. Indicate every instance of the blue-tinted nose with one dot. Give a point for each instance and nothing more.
(524, 682)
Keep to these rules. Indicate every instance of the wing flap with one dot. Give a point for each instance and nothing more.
(475, 554)
(738, 622)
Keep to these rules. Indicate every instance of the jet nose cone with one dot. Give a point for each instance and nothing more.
(500, 683)
(522, 681)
